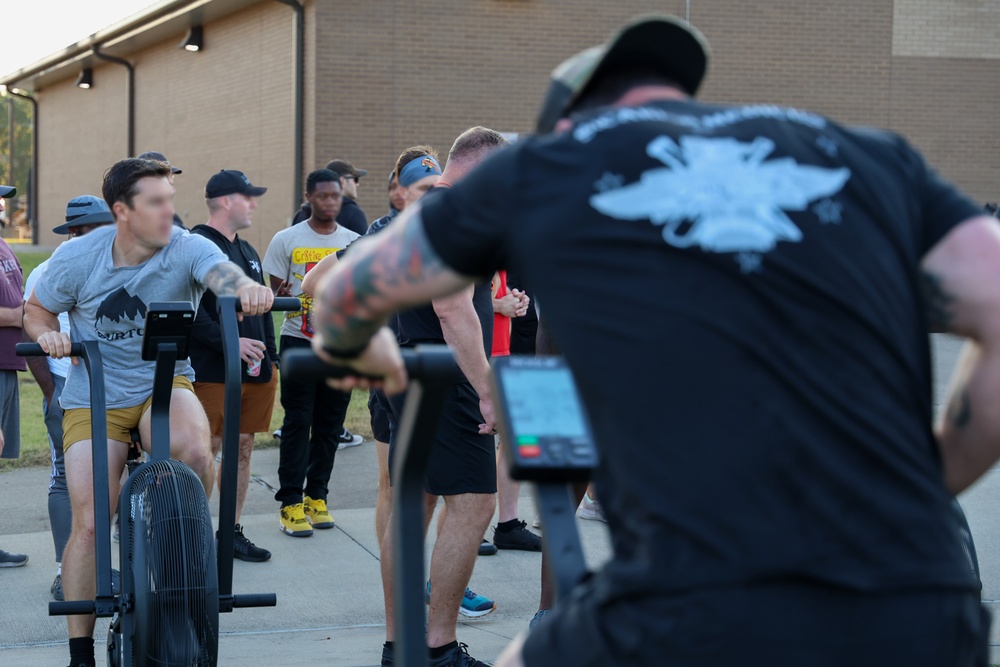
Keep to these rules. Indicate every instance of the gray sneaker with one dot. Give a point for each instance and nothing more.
(8, 559)
(56, 589)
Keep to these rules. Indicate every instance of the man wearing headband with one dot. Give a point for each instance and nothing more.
(417, 173)
(11, 300)
(762, 396)
(83, 215)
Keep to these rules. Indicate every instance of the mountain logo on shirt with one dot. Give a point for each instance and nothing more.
(719, 194)
(124, 310)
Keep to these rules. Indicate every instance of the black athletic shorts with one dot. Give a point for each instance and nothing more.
(789, 624)
(379, 419)
(463, 460)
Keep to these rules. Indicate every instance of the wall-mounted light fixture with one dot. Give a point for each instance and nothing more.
(86, 78)
(193, 39)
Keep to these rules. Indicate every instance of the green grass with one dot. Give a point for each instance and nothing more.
(34, 439)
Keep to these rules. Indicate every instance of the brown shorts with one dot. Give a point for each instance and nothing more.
(121, 421)
(255, 413)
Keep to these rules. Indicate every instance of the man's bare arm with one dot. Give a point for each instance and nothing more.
(228, 279)
(39, 368)
(11, 317)
(464, 334)
(42, 326)
(384, 273)
(225, 278)
(313, 278)
(960, 275)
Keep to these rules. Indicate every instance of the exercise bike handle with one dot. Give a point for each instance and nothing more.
(71, 607)
(281, 303)
(422, 362)
(35, 350)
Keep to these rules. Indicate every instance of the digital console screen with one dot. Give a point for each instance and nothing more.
(543, 403)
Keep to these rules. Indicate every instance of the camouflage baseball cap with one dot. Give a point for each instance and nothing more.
(664, 43)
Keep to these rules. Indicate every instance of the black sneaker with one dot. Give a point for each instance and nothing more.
(457, 657)
(246, 550)
(487, 548)
(387, 656)
(519, 538)
(7, 559)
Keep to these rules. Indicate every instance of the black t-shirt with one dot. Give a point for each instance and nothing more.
(206, 336)
(737, 293)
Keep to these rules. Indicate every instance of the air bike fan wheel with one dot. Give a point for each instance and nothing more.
(172, 569)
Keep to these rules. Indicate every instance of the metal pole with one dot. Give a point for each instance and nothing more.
(300, 50)
(10, 141)
(130, 93)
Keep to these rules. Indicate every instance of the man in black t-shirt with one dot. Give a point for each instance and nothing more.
(231, 200)
(762, 401)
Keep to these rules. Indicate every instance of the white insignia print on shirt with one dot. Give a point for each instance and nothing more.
(720, 194)
(254, 265)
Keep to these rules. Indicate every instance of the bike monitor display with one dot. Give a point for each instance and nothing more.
(167, 322)
(542, 421)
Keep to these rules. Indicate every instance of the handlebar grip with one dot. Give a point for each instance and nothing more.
(304, 365)
(280, 303)
(72, 607)
(255, 600)
(35, 350)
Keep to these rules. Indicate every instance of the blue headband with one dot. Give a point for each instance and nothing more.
(417, 168)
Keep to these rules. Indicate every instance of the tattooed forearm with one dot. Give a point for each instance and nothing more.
(381, 275)
(225, 278)
(960, 409)
(937, 302)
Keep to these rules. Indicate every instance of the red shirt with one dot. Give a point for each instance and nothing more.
(501, 323)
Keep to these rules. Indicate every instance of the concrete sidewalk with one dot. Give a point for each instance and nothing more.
(328, 586)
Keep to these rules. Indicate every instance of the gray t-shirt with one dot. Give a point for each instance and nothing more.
(292, 253)
(108, 304)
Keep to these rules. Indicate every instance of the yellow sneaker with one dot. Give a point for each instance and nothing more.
(293, 522)
(317, 513)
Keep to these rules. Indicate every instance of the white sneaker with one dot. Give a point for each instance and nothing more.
(277, 434)
(348, 439)
(590, 509)
(537, 523)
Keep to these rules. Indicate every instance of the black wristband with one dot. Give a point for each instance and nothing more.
(353, 353)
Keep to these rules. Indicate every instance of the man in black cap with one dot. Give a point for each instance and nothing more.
(231, 199)
(83, 215)
(351, 216)
(160, 157)
(11, 298)
(773, 487)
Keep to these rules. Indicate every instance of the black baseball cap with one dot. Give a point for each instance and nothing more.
(229, 182)
(157, 155)
(85, 210)
(662, 43)
(344, 168)
(7, 191)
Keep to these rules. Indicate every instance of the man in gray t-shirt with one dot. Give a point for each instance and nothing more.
(105, 282)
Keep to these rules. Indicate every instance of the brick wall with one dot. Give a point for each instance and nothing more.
(383, 75)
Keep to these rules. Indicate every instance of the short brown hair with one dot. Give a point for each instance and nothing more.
(411, 154)
(121, 177)
(474, 144)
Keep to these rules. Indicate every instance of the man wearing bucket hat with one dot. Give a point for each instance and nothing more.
(10, 325)
(83, 214)
(767, 279)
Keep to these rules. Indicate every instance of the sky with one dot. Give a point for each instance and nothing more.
(38, 28)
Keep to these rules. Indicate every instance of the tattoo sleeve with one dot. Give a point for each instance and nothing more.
(395, 269)
(937, 302)
(225, 278)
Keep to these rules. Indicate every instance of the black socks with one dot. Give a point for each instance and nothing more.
(81, 651)
(508, 526)
(440, 651)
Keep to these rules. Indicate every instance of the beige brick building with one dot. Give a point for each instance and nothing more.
(379, 75)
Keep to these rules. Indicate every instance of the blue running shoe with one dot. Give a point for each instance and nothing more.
(473, 604)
